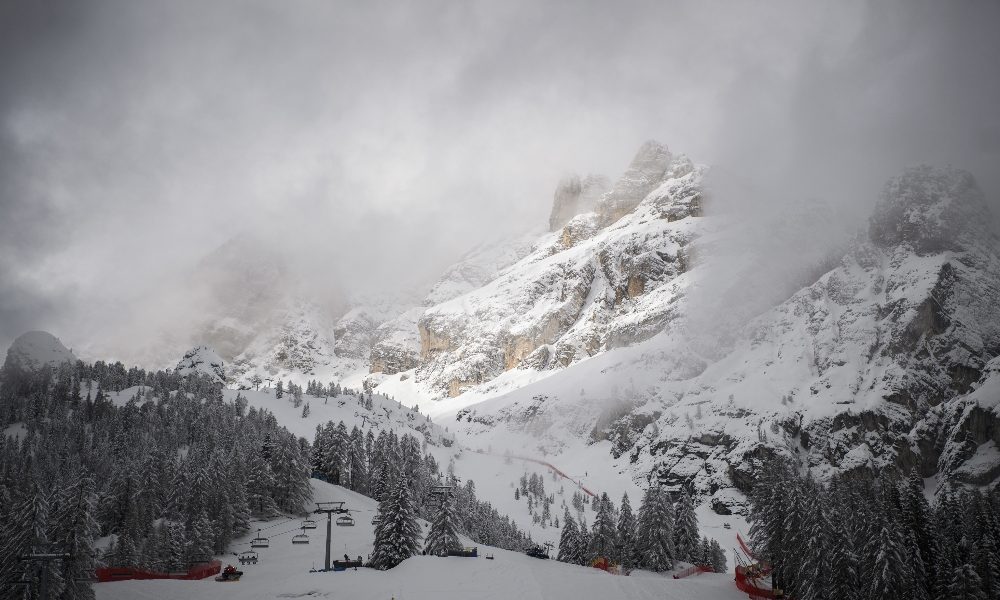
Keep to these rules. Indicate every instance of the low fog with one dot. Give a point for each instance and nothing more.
(368, 145)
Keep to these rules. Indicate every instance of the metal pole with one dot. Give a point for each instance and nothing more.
(329, 522)
(43, 585)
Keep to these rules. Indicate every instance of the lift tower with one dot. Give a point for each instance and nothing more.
(329, 509)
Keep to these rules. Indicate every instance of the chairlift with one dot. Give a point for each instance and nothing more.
(247, 558)
(260, 542)
(376, 520)
(300, 538)
(345, 521)
(308, 524)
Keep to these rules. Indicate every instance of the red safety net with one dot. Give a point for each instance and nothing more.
(198, 571)
(693, 570)
(749, 585)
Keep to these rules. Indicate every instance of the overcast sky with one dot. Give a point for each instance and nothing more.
(375, 141)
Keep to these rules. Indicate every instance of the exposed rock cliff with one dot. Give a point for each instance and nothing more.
(599, 283)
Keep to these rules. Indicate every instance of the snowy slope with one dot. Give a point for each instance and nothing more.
(283, 572)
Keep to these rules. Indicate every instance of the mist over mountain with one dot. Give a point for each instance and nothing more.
(477, 278)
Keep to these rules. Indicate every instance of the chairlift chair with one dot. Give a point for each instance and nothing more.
(308, 524)
(247, 558)
(300, 538)
(260, 542)
(345, 521)
(376, 520)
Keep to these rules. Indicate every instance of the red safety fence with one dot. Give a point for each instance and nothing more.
(744, 547)
(198, 571)
(746, 584)
(693, 570)
(556, 471)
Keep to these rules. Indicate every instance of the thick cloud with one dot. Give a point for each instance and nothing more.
(371, 142)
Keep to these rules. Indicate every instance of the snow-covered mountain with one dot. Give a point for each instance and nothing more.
(609, 277)
(34, 349)
(883, 362)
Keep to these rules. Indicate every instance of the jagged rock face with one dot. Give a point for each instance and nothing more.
(204, 361)
(648, 170)
(860, 359)
(581, 291)
(575, 196)
(930, 210)
(35, 349)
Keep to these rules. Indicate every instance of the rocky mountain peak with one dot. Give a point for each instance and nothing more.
(575, 196)
(930, 209)
(644, 173)
(34, 349)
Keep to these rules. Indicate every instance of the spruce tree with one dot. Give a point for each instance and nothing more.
(717, 557)
(603, 535)
(965, 584)
(888, 573)
(628, 556)
(397, 535)
(655, 539)
(686, 529)
(442, 536)
(569, 541)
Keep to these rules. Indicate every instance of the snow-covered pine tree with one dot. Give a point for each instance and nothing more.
(279, 390)
(686, 528)
(584, 535)
(569, 541)
(887, 572)
(77, 529)
(844, 565)
(442, 536)
(966, 584)
(397, 535)
(718, 557)
(627, 555)
(816, 568)
(655, 539)
(603, 535)
(916, 515)
(704, 552)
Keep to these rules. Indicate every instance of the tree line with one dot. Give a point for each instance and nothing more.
(865, 537)
(663, 533)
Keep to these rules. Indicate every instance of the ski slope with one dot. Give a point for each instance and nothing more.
(283, 572)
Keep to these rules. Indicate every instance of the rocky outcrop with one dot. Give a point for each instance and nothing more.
(644, 174)
(585, 289)
(575, 196)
